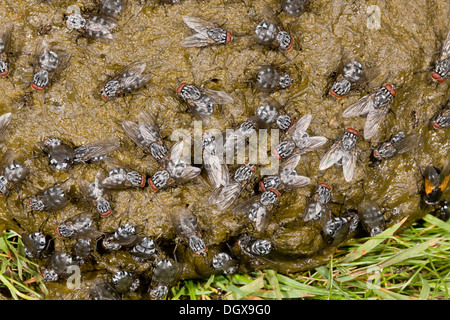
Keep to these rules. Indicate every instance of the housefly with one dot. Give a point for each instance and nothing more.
(144, 250)
(270, 114)
(318, 206)
(128, 79)
(287, 178)
(297, 140)
(214, 162)
(259, 208)
(343, 153)
(270, 79)
(254, 247)
(81, 250)
(62, 156)
(187, 227)
(96, 194)
(125, 236)
(375, 106)
(80, 226)
(50, 200)
(57, 266)
(397, 144)
(92, 26)
(125, 281)
(174, 170)
(35, 244)
(13, 173)
(371, 217)
(338, 228)
(350, 75)
(207, 33)
(48, 64)
(146, 135)
(295, 8)
(270, 32)
(5, 49)
(165, 274)
(441, 69)
(442, 119)
(121, 176)
(223, 261)
(435, 181)
(202, 101)
(104, 291)
(224, 196)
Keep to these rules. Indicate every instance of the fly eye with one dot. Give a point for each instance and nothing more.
(180, 87)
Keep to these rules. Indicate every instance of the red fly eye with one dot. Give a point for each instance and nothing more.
(1, 194)
(253, 168)
(275, 191)
(290, 45)
(323, 184)
(436, 125)
(391, 89)
(376, 153)
(334, 94)
(275, 154)
(57, 231)
(354, 131)
(35, 87)
(180, 87)
(150, 183)
(261, 186)
(4, 74)
(436, 76)
(106, 213)
(229, 37)
(142, 181)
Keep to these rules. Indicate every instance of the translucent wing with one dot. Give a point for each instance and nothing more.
(445, 51)
(136, 67)
(197, 24)
(187, 174)
(332, 156)
(311, 143)
(349, 164)
(200, 39)
(373, 121)
(408, 143)
(300, 125)
(5, 120)
(223, 197)
(216, 169)
(219, 97)
(360, 107)
(97, 149)
(5, 38)
(271, 17)
(133, 132)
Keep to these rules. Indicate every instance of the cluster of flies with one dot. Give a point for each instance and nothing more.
(174, 170)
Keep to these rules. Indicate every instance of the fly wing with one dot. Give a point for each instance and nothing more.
(5, 38)
(177, 151)
(445, 51)
(200, 39)
(197, 24)
(311, 143)
(332, 156)
(271, 17)
(431, 179)
(444, 176)
(216, 169)
(300, 125)
(243, 208)
(218, 97)
(224, 197)
(104, 29)
(295, 181)
(187, 174)
(349, 164)
(64, 59)
(290, 163)
(5, 120)
(360, 107)
(149, 128)
(408, 143)
(96, 149)
(373, 121)
(132, 130)
(41, 47)
(132, 75)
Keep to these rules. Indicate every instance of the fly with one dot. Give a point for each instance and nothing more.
(207, 33)
(270, 79)
(270, 32)
(96, 194)
(371, 217)
(397, 144)
(270, 114)
(122, 176)
(188, 229)
(441, 69)
(80, 226)
(442, 119)
(375, 106)
(343, 153)
(214, 162)
(48, 64)
(5, 49)
(202, 101)
(92, 26)
(146, 135)
(13, 173)
(297, 140)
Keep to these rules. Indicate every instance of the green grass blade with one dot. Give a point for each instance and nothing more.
(438, 222)
(245, 290)
(271, 276)
(371, 244)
